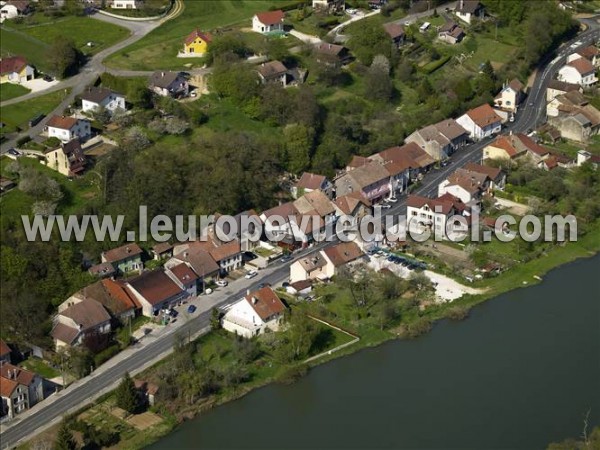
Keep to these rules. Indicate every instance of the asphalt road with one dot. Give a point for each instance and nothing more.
(77, 395)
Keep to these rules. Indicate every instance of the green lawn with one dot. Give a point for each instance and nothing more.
(159, 48)
(13, 42)
(18, 115)
(9, 90)
(40, 367)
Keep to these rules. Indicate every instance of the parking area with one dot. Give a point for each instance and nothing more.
(39, 84)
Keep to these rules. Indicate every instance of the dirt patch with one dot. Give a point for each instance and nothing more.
(100, 150)
(144, 420)
(118, 413)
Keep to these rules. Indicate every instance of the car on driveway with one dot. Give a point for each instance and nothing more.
(251, 274)
(221, 283)
(191, 309)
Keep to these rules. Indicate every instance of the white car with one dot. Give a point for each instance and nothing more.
(251, 274)
(221, 283)
(385, 206)
(391, 200)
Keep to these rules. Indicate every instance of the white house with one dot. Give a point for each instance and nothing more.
(466, 185)
(467, 10)
(14, 8)
(32, 390)
(68, 128)
(273, 72)
(309, 182)
(428, 214)
(94, 98)
(510, 96)
(591, 53)
(268, 22)
(326, 263)
(254, 314)
(481, 122)
(579, 71)
(126, 4)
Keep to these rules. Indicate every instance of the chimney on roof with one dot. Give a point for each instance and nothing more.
(247, 291)
(162, 74)
(127, 249)
(254, 300)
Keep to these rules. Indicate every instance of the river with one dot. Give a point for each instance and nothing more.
(520, 372)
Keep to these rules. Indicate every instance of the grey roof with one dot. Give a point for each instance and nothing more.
(163, 79)
(96, 94)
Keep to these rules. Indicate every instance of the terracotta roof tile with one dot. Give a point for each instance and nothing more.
(123, 252)
(62, 122)
(4, 348)
(343, 253)
(12, 64)
(582, 65)
(18, 374)
(265, 302)
(484, 115)
(311, 181)
(206, 37)
(155, 286)
(270, 17)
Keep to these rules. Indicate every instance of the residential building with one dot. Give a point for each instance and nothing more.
(396, 33)
(15, 69)
(68, 128)
(316, 203)
(573, 116)
(440, 140)
(125, 258)
(268, 22)
(481, 122)
(196, 43)
(496, 175)
(5, 352)
(86, 319)
(227, 255)
(513, 147)
(312, 267)
(301, 288)
(162, 250)
(411, 156)
(14, 398)
(467, 10)
(451, 33)
(438, 216)
(371, 180)
(102, 270)
(183, 275)
(6, 184)
(126, 4)
(332, 54)
(353, 204)
(584, 157)
(329, 6)
(465, 185)
(338, 256)
(254, 314)
(272, 72)
(555, 160)
(247, 226)
(94, 98)
(169, 84)
(197, 257)
(33, 382)
(112, 294)
(14, 8)
(309, 182)
(579, 71)
(155, 290)
(67, 159)
(556, 88)
(510, 96)
(281, 223)
(591, 53)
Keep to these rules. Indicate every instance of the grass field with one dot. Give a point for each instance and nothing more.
(32, 41)
(159, 48)
(40, 367)
(9, 90)
(18, 115)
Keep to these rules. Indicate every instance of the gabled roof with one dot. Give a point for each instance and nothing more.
(416, 201)
(468, 6)
(12, 64)
(271, 17)
(484, 115)
(283, 210)
(113, 295)
(563, 86)
(183, 273)
(516, 85)
(318, 201)
(4, 349)
(120, 253)
(410, 154)
(88, 313)
(471, 182)
(343, 253)
(394, 30)
(349, 202)
(491, 172)
(271, 69)
(265, 303)
(7, 387)
(206, 37)
(311, 181)
(62, 122)
(448, 26)
(97, 94)
(64, 333)
(451, 129)
(582, 65)
(312, 262)
(162, 247)
(102, 269)
(164, 79)
(21, 5)
(517, 144)
(589, 52)
(155, 286)
(366, 175)
(15, 373)
(358, 161)
(330, 49)
(199, 259)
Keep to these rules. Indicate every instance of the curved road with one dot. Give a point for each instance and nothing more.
(84, 391)
(94, 67)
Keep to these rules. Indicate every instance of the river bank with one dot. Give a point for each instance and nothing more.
(526, 275)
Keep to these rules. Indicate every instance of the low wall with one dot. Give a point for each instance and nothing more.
(133, 19)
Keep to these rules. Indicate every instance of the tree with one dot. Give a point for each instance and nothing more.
(299, 143)
(368, 39)
(64, 438)
(63, 57)
(215, 319)
(236, 81)
(378, 84)
(126, 395)
(135, 139)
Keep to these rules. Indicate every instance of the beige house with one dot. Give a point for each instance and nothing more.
(78, 321)
(515, 146)
(510, 96)
(326, 263)
(68, 159)
(556, 88)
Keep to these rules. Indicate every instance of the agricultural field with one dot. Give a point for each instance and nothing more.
(159, 48)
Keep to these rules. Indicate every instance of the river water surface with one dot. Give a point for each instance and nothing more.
(520, 372)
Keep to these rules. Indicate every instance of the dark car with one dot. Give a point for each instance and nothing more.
(35, 120)
(48, 78)
(262, 285)
(191, 309)
(14, 152)
(173, 313)
(286, 258)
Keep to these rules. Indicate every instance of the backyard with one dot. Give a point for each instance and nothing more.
(160, 47)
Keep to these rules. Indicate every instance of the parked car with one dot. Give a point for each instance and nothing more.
(48, 78)
(384, 206)
(221, 283)
(251, 274)
(173, 313)
(14, 152)
(262, 285)
(286, 258)
(191, 309)
(35, 120)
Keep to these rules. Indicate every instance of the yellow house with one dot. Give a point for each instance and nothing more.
(15, 70)
(68, 159)
(197, 43)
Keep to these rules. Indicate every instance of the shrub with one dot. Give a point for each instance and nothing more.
(22, 141)
(293, 374)
(458, 313)
(105, 355)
